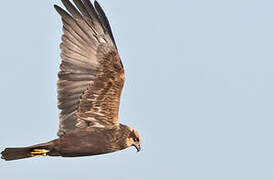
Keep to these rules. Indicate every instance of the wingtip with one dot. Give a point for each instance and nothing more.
(97, 5)
(96, 2)
(56, 7)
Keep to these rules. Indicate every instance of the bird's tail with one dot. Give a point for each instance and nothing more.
(39, 150)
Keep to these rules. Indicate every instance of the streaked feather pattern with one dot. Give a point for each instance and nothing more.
(90, 84)
(91, 74)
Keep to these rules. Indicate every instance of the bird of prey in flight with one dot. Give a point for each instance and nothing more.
(90, 83)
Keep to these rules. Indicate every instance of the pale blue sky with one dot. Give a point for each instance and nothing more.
(199, 89)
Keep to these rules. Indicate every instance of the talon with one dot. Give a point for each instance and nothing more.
(39, 152)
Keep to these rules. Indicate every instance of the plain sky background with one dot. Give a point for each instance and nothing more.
(199, 89)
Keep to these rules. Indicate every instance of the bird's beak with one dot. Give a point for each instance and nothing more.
(137, 146)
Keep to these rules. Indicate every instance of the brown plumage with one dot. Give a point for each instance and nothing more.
(91, 80)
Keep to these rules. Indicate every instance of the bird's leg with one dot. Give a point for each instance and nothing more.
(39, 152)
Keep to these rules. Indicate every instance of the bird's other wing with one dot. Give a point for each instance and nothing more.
(91, 74)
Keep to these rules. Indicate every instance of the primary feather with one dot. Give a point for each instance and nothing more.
(91, 74)
(91, 80)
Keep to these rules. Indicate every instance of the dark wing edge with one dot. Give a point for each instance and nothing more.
(89, 57)
(104, 20)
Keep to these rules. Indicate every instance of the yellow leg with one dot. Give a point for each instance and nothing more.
(39, 152)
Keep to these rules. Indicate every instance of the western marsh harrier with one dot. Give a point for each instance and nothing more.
(91, 80)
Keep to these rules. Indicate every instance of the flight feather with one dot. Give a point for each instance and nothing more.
(91, 74)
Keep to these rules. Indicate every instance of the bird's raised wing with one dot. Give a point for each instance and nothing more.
(91, 74)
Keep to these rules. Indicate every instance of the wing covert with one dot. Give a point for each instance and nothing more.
(91, 74)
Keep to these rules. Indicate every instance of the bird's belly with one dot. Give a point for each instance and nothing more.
(72, 146)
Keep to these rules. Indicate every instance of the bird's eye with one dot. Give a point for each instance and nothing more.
(136, 139)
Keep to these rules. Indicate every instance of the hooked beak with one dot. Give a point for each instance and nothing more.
(137, 146)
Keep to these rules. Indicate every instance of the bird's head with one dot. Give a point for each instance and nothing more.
(134, 139)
